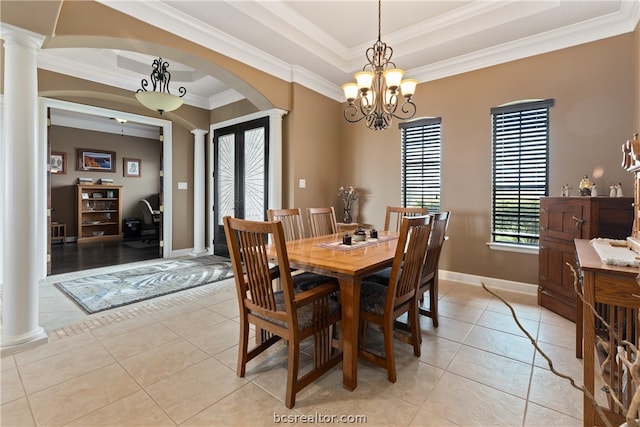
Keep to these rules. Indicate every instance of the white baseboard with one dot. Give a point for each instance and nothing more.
(507, 285)
(180, 252)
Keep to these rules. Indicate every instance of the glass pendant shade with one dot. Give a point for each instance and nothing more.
(369, 99)
(350, 91)
(364, 79)
(408, 87)
(388, 97)
(159, 101)
(393, 77)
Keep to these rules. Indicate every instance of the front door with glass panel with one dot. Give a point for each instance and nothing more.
(240, 175)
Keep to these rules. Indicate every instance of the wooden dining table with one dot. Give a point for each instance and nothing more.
(325, 255)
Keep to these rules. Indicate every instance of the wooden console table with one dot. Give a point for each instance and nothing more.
(615, 288)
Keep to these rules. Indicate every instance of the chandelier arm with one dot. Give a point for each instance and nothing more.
(351, 113)
(144, 83)
(408, 110)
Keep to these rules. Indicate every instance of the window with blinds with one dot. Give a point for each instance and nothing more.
(520, 170)
(421, 163)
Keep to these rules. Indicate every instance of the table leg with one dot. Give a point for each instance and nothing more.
(589, 346)
(579, 327)
(350, 299)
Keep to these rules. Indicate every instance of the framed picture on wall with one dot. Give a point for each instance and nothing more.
(58, 162)
(96, 160)
(132, 167)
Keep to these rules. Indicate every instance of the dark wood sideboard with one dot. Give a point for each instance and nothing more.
(563, 219)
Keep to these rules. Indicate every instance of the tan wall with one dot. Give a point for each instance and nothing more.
(592, 85)
(68, 140)
(312, 150)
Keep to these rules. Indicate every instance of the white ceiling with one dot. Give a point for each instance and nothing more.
(321, 43)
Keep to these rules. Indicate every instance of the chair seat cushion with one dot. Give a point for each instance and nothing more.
(305, 313)
(373, 298)
(305, 281)
(381, 277)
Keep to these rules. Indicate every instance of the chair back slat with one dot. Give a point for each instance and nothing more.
(322, 221)
(439, 224)
(247, 242)
(394, 214)
(291, 222)
(409, 260)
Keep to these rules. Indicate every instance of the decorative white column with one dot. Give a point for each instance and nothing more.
(198, 192)
(21, 164)
(275, 157)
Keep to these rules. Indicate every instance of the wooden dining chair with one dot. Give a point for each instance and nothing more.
(429, 279)
(394, 214)
(285, 314)
(322, 221)
(384, 304)
(291, 222)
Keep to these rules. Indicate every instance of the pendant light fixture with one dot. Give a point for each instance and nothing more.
(375, 97)
(159, 98)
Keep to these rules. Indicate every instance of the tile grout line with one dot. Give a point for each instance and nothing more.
(134, 310)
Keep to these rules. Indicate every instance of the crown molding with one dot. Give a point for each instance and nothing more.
(308, 35)
(176, 22)
(615, 24)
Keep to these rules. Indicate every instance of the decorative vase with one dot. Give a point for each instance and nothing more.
(346, 217)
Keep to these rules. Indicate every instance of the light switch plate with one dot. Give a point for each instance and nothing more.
(182, 186)
(303, 183)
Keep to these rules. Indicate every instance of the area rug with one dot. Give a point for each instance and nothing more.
(109, 290)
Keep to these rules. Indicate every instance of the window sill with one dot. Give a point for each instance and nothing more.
(533, 250)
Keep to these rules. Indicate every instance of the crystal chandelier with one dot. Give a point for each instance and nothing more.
(376, 95)
(159, 99)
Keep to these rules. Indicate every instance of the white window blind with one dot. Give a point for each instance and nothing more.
(421, 143)
(520, 170)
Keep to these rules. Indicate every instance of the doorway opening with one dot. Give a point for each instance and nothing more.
(62, 254)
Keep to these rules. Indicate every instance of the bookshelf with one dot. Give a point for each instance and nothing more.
(99, 212)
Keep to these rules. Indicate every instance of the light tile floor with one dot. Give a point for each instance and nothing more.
(171, 361)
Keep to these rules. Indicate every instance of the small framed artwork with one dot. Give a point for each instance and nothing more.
(96, 160)
(85, 196)
(131, 167)
(58, 162)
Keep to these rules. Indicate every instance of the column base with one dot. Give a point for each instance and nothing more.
(38, 337)
(199, 252)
